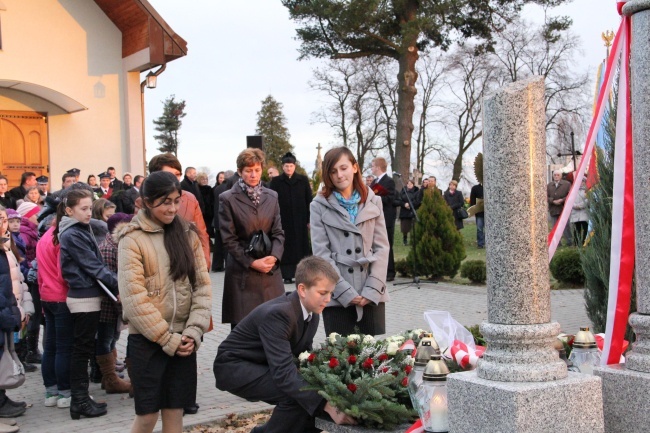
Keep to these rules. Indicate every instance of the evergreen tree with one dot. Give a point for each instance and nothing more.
(271, 124)
(597, 254)
(440, 249)
(169, 123)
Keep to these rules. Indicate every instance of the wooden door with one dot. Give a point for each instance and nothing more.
(23, 145)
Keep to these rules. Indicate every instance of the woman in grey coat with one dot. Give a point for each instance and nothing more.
(243, 210)
(349, 231)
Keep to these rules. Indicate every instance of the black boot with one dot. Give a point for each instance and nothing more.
(95, 372)
(33, 354)
(8, 410)
(98, 404)
(82, 405)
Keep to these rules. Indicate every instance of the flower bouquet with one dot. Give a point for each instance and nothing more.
(364, 377)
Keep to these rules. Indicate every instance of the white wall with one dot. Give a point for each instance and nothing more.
(70, 46)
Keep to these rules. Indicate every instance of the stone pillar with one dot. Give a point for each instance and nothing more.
(626, 386)
(520, 385)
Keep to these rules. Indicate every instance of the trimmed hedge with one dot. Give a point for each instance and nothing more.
(566, 266)
(474, 270)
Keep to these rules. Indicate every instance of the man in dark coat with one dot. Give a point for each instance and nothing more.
(474, 194)
(557, 192)
(190, 184)
(256, 360)
(115, 184)
(27, 180)
(294, 197)
(384, 186)
(219, 252)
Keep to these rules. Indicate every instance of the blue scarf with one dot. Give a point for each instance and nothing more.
(350, 204)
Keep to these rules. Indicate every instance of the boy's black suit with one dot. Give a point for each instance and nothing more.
(256, 362)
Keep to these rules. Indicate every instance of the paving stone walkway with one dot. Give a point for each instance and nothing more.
(467, 304)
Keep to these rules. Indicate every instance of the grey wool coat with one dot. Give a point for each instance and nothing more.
(244, 288)
(358, 252)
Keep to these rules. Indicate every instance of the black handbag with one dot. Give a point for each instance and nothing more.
(462, 213)
(259, 246)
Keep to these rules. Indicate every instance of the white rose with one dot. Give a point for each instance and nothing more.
(354, 337)
(392, 348)
(303, 356)
(332, 337)
(368, 339)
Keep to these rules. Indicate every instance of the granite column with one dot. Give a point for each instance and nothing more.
(520, 385)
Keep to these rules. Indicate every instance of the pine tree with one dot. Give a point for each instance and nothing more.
(596, 255)
(440, 249)
(169, 123)
(271, 124)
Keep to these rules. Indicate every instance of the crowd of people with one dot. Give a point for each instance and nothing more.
(94, 257)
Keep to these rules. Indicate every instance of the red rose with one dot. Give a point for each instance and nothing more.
(385, 370)
(311, 358)
(352, 387)
(367, 364)
(352, 359)
(408, 369)
(383, 357)
(405, 381)
(333, 362)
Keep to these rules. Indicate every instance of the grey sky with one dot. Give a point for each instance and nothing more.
(241, 51)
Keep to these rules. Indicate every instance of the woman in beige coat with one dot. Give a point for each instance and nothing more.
(166, 296)
(348, 230)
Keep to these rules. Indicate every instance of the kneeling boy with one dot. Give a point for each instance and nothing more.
(256, 362)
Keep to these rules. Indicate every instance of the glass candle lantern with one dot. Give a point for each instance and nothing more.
(427, 347)
(431, 396)
(585, 354)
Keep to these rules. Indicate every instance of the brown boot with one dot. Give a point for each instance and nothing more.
(119, 366)
(110, 382)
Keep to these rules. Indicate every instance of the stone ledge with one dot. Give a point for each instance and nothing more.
(625, 399)
(572, 405)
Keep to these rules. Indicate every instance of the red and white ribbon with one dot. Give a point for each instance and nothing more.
(464, 356)
(623, 246)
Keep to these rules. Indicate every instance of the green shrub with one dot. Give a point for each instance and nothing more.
(476, 333)
(440, 248)
(566, 266)
(474, 270)
(404, 268)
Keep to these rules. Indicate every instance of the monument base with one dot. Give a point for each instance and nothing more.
(625, 398)
(572, 405)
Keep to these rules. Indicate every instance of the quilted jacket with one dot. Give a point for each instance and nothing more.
(156, 306)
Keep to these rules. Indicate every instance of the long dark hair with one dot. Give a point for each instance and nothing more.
(331, 158)
(71, 200)
(161, 184)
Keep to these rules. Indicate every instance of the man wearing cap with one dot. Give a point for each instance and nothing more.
(27, 180)
(104, 190)
(76, 172)
(43, 184)
(294, 198)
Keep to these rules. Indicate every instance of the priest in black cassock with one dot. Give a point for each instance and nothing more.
(294, 197)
